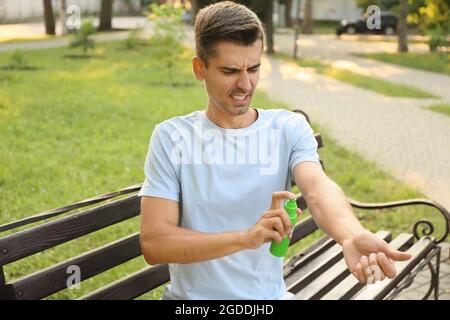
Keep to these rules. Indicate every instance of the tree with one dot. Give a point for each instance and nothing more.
(287, 12)
(105, 15)
(403, 27)
(63, 16)
(296, 29)
(268, 24)
(307, 23)
(48, 17)
(168, 36)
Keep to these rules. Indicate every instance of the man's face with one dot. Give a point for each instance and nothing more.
(231, 76)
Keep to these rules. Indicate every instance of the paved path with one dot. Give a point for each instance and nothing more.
(339, 52)
(37, 29)
(421, 283)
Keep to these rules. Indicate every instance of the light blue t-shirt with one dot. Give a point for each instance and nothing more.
(223, 180)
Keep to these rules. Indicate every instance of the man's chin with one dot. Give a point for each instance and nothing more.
(240, 110)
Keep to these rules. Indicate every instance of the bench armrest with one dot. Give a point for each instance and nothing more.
(426, 227)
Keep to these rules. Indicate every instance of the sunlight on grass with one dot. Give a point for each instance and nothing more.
(363, 81)
(443, 108)
(430, 61)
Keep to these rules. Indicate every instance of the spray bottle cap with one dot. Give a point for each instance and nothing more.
(291, 205)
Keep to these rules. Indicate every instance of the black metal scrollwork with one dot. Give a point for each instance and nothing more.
(422, 227)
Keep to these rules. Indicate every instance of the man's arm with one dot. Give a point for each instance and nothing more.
(162, 241)
(333, 214)
(326, 202)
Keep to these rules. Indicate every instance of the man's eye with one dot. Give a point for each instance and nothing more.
(254, 70)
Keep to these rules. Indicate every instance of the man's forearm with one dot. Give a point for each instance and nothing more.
(180, 245)
(332, 211)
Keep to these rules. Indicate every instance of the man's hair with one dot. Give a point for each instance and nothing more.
(225, 21)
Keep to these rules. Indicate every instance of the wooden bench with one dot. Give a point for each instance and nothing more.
(318, 272)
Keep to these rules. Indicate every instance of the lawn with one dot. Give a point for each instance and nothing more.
(443, 108)
(380, 86)
(75, 128)
(430, 61)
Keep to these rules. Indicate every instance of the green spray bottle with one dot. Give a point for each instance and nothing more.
(280, 249)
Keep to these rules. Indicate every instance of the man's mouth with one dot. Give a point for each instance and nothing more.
(240, 99)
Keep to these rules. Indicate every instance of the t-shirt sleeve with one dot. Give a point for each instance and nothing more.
(161, 170)
(303, 145)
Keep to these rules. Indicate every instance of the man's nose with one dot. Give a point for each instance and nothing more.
(244, 82)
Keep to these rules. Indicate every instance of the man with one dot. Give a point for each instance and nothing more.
(216, 179)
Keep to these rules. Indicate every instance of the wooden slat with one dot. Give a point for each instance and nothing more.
(314, 268)
(349, 286)
(330, 278)
(302, 259)
(25, 243)
(319, 140)
(379, 290)
(53, 279)
(293, 263)
(132, 286)
(302, 230)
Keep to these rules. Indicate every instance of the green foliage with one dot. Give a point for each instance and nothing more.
(168, 36)
(438, 38)
(82, 37)
(433, 20)
(18, 60)
(133, 41)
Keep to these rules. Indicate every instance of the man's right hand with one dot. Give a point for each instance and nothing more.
(274, 224)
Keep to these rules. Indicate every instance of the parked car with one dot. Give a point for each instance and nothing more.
(388, 25)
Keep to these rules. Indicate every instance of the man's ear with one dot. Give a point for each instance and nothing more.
(198, 67)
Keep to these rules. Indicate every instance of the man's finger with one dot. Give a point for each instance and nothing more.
(277, 225)
(365, 266)
(387, 266)
(396, 255)
(279, 196)
(282, 214)
(360, 273)
(376, 272)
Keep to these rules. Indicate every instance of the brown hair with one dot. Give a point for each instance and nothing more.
(225, 21)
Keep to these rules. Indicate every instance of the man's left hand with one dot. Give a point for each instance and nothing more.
(370, 258)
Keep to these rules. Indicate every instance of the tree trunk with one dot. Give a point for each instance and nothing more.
(49, 19)
(288, 17)
(195, 7)
(403, 27)
(105, 15)
(63, 16)
(268, 24)
(307, 25)
(296, 28)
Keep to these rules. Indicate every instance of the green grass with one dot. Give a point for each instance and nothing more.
(78, 128)
(443, 108)
(430, 61)
(380, 86)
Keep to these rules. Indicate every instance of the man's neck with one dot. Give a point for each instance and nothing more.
(226, 121)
